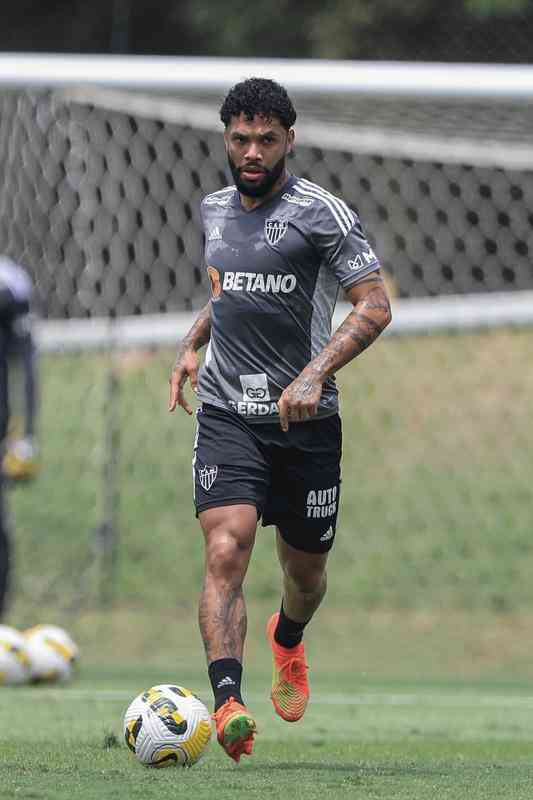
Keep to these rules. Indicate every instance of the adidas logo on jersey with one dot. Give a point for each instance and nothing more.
(327, 535)
(214, 234)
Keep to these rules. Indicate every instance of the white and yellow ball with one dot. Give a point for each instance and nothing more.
(167, 726)
(14, 661)
(52, 654)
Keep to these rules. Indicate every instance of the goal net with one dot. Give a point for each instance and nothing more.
(100, 192)
(101, 179)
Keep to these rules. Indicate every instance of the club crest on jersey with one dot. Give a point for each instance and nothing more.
(207, 476)
(275, 229)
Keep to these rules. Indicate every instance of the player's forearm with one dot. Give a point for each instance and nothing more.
(369, 317)
(200, 332)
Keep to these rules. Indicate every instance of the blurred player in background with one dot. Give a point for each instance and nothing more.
(17, 396)
(20, 460)
(268, 444)
(4, 536)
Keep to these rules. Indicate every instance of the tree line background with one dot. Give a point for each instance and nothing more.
(432, 30)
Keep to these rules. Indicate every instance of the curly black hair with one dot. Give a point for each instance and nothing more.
(258, 96)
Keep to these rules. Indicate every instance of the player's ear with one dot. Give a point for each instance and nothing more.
(290, 141)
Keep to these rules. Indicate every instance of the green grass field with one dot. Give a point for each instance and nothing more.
(422, 656)
(436, 498)
(359, 739)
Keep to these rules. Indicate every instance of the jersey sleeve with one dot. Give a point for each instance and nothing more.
(203, 210)
(342, 244)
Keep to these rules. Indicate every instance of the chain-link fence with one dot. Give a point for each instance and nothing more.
(103, 208)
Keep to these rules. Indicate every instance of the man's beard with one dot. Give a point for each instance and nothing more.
(263, 187)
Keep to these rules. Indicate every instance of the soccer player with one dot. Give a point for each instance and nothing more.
(20, 460)
(17, 396)
(268, 442)
(15, 288)
(4, 536)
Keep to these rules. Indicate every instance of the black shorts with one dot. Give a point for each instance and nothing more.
(293, 478)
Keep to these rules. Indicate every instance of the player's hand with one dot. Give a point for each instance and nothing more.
(185, 368)
(299, 401)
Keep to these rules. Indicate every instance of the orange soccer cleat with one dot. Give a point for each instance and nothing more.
(290, 689)
(235, 729)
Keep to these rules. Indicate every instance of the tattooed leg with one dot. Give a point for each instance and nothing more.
(229, 534)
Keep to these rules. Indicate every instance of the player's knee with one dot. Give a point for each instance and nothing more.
(227, 554)
(308, 579)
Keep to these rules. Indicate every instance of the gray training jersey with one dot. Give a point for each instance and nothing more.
(275, 273)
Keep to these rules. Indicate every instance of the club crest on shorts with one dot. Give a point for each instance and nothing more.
(207, 476)
(275, 229)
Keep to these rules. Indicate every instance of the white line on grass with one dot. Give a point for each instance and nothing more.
(456, 700)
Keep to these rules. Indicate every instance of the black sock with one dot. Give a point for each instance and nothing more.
(288, 633)
(225, 675)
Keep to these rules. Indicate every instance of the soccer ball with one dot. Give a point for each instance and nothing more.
(52, 654)
(167, 726)
(14, 663)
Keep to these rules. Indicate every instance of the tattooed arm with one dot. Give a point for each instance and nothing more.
(186, 365)
(370, 316)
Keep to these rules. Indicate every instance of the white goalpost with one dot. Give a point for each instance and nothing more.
(508, 83)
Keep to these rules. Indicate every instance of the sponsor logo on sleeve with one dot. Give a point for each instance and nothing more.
(361, 260)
